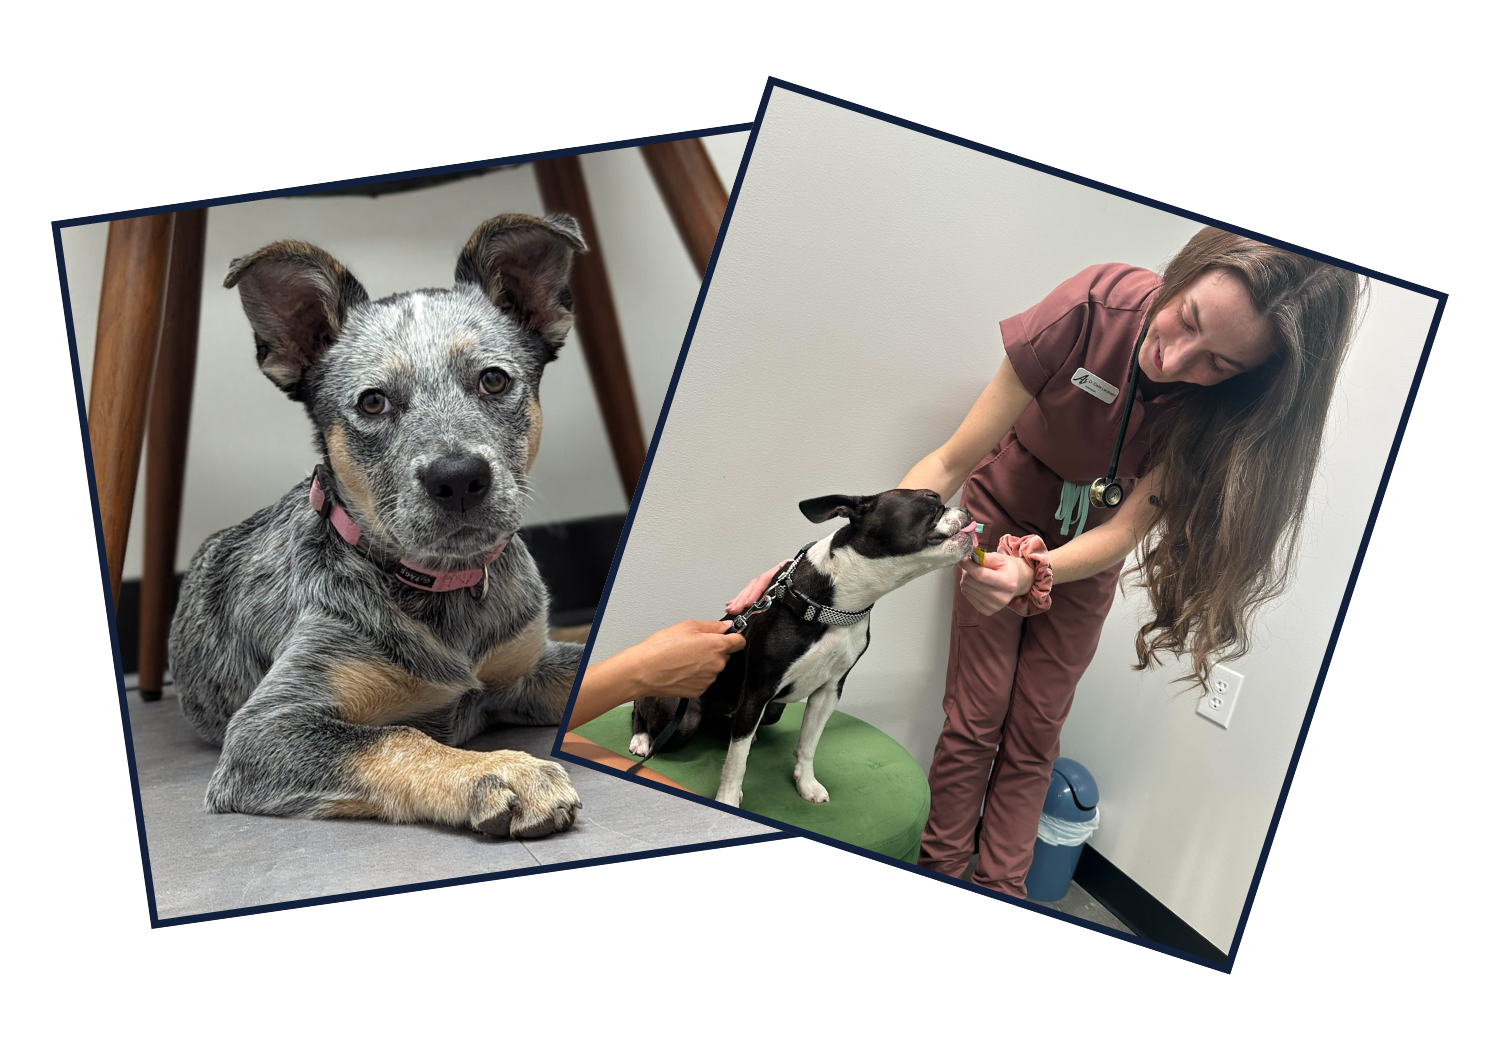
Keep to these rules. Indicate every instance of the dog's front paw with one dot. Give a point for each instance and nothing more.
(731, 798)
(640, 744)
(811, 790)
(807, 784)
(524, 798)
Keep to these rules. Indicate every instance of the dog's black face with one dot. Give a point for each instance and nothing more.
(896, 523)
(426, 403)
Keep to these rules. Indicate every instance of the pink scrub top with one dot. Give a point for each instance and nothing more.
(1088, 322)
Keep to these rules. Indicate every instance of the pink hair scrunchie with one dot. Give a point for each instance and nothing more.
(1033, 551)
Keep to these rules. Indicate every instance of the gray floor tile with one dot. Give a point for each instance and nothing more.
(1077, 902)
(202, 862)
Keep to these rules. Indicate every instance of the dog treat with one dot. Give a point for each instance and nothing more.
(976, 527)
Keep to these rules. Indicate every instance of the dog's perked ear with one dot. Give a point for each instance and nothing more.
(296, 297)
(522, 264)
(825, 507)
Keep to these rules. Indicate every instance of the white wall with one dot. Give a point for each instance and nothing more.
(248, 443)
(852, 320)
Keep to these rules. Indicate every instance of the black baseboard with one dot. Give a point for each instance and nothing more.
(573, 557)
(1146, 916)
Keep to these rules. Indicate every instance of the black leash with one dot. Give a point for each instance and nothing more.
(665, 735)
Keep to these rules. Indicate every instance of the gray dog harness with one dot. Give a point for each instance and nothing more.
(803, 607)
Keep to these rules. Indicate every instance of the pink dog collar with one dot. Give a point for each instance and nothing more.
(422, 579)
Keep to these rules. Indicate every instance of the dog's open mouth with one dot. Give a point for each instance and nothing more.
(964, 540)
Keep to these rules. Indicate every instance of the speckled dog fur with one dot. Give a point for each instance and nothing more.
(333, 688)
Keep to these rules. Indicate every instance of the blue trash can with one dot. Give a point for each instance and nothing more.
(1069, 817)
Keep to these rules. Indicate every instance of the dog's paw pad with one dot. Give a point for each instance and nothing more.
(640, 744)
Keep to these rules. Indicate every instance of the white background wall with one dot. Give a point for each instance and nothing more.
(248, 443)
(852, 320)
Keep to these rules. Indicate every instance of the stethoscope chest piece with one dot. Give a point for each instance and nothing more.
(1105, 495)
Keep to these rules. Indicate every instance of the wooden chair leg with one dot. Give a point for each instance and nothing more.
(166, 443)
(130, 310)
(563, 189)
(692, 191)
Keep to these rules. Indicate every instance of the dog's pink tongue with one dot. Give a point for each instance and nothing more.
(969, 527)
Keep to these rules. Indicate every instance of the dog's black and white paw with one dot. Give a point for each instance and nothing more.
(523, 798)
(640, 744)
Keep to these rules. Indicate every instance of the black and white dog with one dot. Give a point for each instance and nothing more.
(803, 644)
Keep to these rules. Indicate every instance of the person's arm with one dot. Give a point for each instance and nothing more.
(680, 660)
(999, 406)
(943, 470)
(990, 587)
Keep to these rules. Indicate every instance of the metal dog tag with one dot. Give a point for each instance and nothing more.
(1085, 380)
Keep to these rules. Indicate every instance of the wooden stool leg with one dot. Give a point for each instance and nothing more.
(166, 443)
(130, 308)
(563, 189)
(692, 191)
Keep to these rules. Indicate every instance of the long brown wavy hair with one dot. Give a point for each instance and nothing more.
(1239, 460)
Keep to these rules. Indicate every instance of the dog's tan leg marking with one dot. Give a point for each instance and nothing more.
(352, 481)
(408, 777)
(514, 659)
(533, 432)
(375, 693)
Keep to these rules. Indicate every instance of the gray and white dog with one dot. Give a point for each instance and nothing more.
(342, 643)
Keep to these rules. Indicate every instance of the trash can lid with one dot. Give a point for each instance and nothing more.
(1072, 795)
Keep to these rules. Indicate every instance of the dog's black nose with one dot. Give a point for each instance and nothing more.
(457, 482)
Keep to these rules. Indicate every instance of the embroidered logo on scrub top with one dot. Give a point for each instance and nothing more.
(1085, 380)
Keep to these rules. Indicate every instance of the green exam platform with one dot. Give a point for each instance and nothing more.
(878, 797)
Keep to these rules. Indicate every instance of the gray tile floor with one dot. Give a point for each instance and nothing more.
(1076, 902)
(202, 862)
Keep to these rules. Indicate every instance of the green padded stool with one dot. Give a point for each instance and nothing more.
(878, 796)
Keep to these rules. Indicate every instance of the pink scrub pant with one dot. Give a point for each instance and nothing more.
(1010, 686)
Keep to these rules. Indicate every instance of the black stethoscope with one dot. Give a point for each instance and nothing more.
(1106, 493)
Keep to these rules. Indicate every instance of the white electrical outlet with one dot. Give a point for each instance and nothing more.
(1223, 690)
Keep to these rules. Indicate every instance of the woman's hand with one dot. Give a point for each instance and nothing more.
(682, 660)
(753, 590)
(994, 585)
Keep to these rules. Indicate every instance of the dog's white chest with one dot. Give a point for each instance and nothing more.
(829, 659)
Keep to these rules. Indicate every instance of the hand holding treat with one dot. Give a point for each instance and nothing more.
(1016, 575)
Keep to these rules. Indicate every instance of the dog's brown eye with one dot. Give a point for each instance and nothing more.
(493, 381)
(373, 403)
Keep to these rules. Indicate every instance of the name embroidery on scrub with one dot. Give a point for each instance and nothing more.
(1085, 380)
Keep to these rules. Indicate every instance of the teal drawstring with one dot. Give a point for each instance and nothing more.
(1074, 506)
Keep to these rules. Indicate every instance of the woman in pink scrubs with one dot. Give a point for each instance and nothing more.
(1240, 346)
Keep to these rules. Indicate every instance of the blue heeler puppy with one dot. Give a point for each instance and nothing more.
(342, 643)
